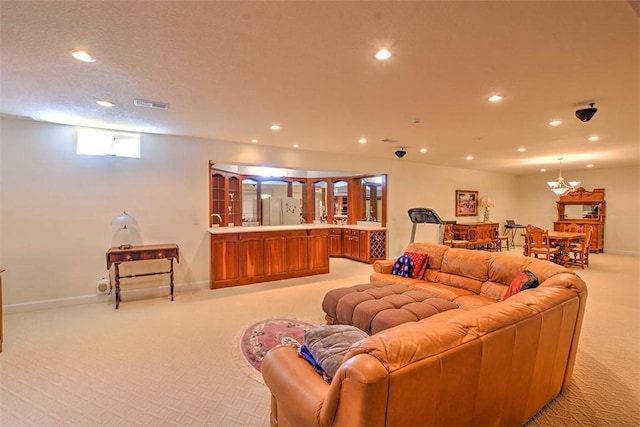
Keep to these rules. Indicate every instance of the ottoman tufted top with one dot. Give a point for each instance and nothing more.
(376, 306)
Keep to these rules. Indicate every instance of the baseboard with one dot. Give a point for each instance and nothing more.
(618, 252)
(133, 294)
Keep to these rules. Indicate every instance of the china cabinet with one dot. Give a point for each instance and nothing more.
(581, 210)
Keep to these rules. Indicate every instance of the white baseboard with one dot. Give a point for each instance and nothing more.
(618, 252)
(132, 294)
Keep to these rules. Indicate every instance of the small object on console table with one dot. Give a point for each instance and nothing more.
(116, 256)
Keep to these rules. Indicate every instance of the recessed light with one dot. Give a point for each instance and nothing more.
(82, 55)
(275, 127)
(296, 146)
(543, 170)
(362, 140)
(383, 54)
(107, 104)
(521, 150)
(495, 98)
(254, 140)
(590, 165)
(423, 150)
(594, 138)
(555, 123)
(469, 157)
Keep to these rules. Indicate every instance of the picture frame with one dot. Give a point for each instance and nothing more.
(466, 203)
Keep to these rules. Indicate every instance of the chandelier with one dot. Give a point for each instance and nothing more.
(559, 186)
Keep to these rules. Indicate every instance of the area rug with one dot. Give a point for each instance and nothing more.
(256, 340)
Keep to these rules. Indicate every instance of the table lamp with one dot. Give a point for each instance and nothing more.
(486, 203)
(126, 225)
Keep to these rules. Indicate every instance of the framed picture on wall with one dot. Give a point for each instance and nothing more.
(466, 203)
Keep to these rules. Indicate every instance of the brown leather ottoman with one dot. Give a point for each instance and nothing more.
(373, 307)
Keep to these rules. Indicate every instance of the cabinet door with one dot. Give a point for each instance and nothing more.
(274, 255)
(252, 260)
(346, 243)
(363, 246)
(355, 244)
(318, 250)
(297, 252)
(224, 259)
(335, 243)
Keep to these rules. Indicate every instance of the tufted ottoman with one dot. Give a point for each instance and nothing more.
(373, 307)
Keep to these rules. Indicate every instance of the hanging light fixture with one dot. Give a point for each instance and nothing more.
(559, 186)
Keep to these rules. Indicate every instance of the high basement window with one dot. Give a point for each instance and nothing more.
(100, 142)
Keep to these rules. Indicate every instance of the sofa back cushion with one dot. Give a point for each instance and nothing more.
(464, 269)
(435, 252)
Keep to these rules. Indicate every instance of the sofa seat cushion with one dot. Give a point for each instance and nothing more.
(438, 290)
(392, 278)
(470, 302)
(381, 307)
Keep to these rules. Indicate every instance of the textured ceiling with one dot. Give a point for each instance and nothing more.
(231, 69)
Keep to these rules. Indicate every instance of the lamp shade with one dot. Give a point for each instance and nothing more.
(124, 219)
(486, 202)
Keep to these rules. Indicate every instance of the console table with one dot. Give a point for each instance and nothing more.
(117, 256)
(479, 234)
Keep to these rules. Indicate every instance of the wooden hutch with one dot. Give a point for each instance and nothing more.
(581, 210)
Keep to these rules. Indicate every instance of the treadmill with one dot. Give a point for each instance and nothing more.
(426, 216)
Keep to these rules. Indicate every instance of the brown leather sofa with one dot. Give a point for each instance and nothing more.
(491, 362)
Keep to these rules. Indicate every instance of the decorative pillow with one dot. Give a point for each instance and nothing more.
(403, 266)
(523, 281)
(328, 344)
(420, 262)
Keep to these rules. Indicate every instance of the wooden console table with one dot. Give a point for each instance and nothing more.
(117, 256)
(481, 235)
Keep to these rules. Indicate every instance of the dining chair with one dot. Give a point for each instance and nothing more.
(502, 240)
(580, 255)
(538, 241)
(449, 238)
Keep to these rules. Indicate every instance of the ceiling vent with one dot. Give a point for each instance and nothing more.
(150, 104)
(389, 141)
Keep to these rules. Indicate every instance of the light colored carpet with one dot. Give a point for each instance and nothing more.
(156, 362)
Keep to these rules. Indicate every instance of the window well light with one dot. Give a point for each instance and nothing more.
(521, 150)
(296, 146)
(255, 141)
(362, 140)
(423, 150)
(555, 123)
(82, 55)
(594, 138)
(106, 104)
(495, 98)
(383, 54)
(275, 127)
(469, 157)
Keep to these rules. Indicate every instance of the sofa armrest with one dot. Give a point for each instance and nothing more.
(383, 266)
(299, 392)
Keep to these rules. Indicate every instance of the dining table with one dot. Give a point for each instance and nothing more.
(562, 240)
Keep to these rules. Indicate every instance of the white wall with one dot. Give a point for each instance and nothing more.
(56, 206)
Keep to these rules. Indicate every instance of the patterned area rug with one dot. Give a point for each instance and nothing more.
(256, 340)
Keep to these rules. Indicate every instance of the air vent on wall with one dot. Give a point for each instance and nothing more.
(389, 141)
(150, 104)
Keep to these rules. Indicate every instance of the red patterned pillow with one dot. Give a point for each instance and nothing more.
(524, 280)
(420, 262)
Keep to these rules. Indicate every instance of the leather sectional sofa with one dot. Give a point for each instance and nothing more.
(489, 362)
